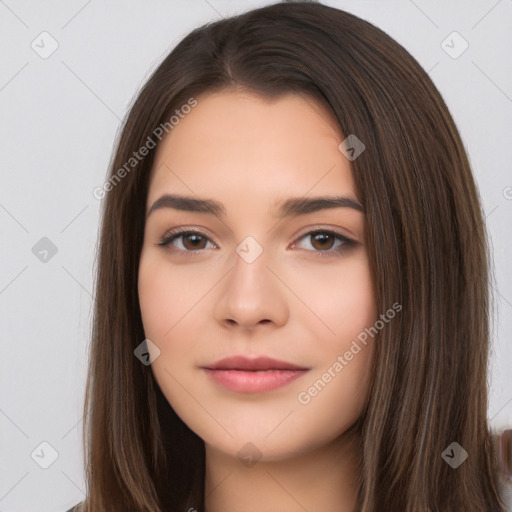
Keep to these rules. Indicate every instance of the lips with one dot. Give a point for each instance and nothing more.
(259, 363)
(253, 375)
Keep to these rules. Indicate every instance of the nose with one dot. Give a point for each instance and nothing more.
(251, 295)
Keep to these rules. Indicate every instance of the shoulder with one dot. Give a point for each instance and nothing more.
(76, 508)
(506, 492)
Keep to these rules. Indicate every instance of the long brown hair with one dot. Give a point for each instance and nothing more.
(426, 247)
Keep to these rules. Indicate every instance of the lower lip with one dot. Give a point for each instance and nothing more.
(253, 382)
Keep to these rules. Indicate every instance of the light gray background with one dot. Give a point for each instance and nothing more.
(58, 119)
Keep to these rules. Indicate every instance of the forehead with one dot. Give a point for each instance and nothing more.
(241, 146)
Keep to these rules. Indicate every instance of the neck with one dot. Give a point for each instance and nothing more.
(326, 478)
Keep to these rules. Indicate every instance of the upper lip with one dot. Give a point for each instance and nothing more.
(252, 364)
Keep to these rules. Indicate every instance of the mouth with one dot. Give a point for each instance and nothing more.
(245, 375)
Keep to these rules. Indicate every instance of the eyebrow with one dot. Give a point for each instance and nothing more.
(287, 208)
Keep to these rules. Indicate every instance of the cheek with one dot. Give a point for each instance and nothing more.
(353, 308)
(155, 299)
(165, 297)
(341, 301)
(333, 396)
(344, 301)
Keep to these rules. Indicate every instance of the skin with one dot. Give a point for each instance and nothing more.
(291, 303)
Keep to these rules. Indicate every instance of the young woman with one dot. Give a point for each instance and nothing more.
(292, 292)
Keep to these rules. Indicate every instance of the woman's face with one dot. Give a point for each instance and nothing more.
(250, 277)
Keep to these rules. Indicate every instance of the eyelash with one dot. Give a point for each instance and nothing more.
(347, 243)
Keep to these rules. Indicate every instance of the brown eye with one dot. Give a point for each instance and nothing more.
(325, 243)
(193, 241)
(322, 241)
(185, 241)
